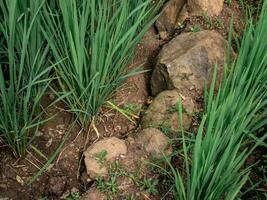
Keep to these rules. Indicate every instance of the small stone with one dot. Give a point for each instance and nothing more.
(163, 113)
(167, 21)
(99, 155)
(211, 7)
(154, 142)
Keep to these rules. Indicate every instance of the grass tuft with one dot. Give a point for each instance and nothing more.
(233, 114)
(96, 40)
(24, 72)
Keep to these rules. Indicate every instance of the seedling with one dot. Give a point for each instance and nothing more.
(116, 169)
(228, 2)
(195, 28)
(166, 129)
(101, 156)
(107, 186)
(73, 196)
(149, 185)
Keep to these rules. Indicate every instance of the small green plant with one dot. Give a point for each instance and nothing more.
(73, 196)
(101, 156)
(165, 129)
(181, 26)
(109, 185)
(208, 21)
(172, 109)
(194, 28)
(218, 23)
(133, 108)
(228, 2)
(116, 169)
(149, 185)
(131, 197)
(212, 23)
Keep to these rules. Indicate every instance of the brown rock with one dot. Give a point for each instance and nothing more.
(166, 23)
(154, 142)
(163, 111)
(187, 62)
(99, 155)
(211, 7)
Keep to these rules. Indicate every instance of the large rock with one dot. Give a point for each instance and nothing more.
(166, 23)
(187, 61)
(154, 142)
(98, 156)
(211, 7)
(162, 112)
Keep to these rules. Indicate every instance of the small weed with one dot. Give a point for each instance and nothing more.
(195, 28)
(166, 129)
(116, 169)
(73, 196)
(149, 185)
(133, 108)
(101, 156)
(172, 109)
(130, 197)
(181, 26)
(218, 23)
(228, 2)
(208, 20)
(107, 186)
(110, 185)
(212, 23)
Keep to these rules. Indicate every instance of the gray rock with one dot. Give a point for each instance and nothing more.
(187, 61)
(211, 7)
(154, 142)
(166, 23)
(162, 112)
(99, 155)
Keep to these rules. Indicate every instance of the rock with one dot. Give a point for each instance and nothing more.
(57, 185)
(187, 61)
(162, 112)
(154, 142)
(211, 7)
(166, 23)
(99, 155)
(93, 194)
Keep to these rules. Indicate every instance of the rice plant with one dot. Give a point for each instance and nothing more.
(233, 114)
(93, 42)
(24, 72)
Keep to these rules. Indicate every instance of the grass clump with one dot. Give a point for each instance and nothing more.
(93, 42)
(88, 44)
(24, 72)
(235, 113)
